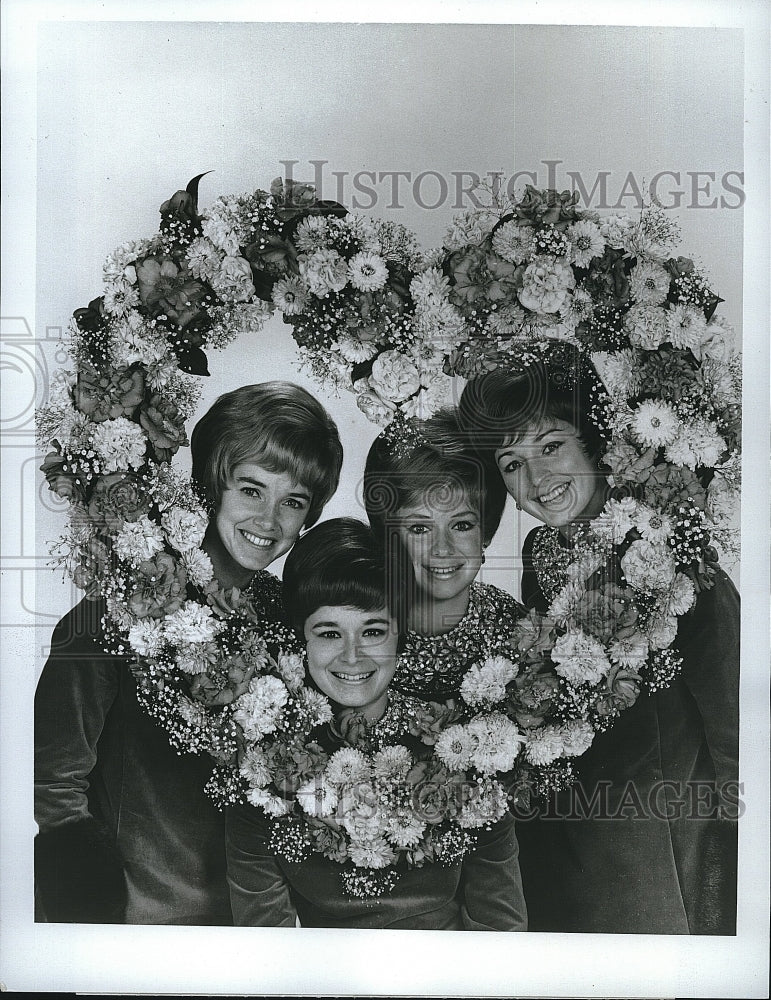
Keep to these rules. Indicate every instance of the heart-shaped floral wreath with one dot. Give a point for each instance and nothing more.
(512, 283)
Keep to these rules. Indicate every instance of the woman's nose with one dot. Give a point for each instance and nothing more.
(350, 653)
(268, 514)
(442, 543)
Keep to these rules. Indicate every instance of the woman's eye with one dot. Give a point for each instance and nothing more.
(250, 491)
(295, 503)
(329, 634)
(512, 466)
(376, 633)
(417, 529)
(551, 447)
(464, 525)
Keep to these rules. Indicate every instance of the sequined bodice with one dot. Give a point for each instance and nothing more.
(432, 666)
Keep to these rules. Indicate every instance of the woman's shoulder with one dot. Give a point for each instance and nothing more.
(265, 591)
(82, 624)
(492, 603)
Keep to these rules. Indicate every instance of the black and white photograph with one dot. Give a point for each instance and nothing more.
(385, 546)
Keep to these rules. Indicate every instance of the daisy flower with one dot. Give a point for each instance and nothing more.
(586, 242)
(367, 271)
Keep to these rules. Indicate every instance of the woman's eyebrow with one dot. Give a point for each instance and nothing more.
(326, 625)
(550, 430)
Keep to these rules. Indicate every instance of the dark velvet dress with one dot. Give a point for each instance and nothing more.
(483, 892)
(647, 840)
(127, 833)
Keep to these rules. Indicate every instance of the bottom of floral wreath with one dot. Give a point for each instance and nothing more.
(373, 867)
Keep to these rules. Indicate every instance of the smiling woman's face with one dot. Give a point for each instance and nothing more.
(259, 518)
(443, 538)
(352, 656)
(549, 474)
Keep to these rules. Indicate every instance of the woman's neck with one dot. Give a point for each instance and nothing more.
(430, 617)
(227, 572)
(593, 508)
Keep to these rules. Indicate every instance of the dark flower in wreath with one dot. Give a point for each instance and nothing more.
(628, 463)
(180, 213)
(328, 838)
(670, 485)
(349, 727)
(164, 425)
(548, 207)
(91, 318)
(94, 566)
(293, 765)
(623, 689)
(117, 498)
(430, 718)
(534, 696)
(678, 266)
(273, 253)
(436, 792)
(667, 374)
(300, 194)
(476, 272)
(104, 395)
(159, 590)
(534, 637)
(61, 481)
(604, 613)
(168, 290)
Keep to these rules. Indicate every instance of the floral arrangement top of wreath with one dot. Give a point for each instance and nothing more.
(512, 283)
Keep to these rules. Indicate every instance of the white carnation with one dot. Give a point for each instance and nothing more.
(259, 709)
(498, 742)
(394, 376)
(544, 745)
(648, 566)
(324, 271)
(485, 683)
(185, 529)
(577, 737)
(120, 444)
(146, 637)
(580, 658)
(647, 326)
(192, 623)
(198, 567)
(138, 540)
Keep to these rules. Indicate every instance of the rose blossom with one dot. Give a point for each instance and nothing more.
(164, 425)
